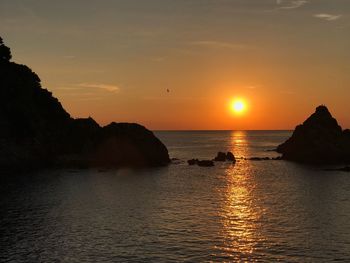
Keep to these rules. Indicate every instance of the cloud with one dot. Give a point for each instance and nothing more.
(87, 91)
(290, 4)
(106, 87)
(217, 44)
(327, 17)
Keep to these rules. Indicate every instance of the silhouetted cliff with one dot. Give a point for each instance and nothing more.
(318, 140)
(35, 130)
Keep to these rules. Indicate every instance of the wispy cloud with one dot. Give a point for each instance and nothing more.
(290, 4)
(217, 44)
(107, 87)
(328, 17)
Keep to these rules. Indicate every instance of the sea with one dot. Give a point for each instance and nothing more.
(251, 211)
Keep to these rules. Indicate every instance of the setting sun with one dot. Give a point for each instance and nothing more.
(201, 124)
(238, 106)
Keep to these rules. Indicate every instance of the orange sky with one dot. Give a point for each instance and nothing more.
(115, 60)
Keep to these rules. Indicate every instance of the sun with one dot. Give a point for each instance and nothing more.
(238, 106)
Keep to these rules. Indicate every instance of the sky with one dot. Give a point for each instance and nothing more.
(114, 60)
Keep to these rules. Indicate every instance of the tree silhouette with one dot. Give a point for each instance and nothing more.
(5, 52)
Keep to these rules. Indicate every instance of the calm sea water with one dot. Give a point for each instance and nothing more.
(252, 211)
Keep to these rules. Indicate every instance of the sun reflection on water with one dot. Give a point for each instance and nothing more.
(239, 143)
(240, 213)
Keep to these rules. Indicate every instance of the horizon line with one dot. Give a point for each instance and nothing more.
(156, 130)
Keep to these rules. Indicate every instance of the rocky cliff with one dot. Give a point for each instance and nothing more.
(36, 132)
(319, 139)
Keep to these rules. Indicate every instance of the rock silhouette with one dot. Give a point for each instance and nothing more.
(36, 132)
(223, 157)
(230, 157)
(204, 163)
(220, 157)
(260, 159)
(318, 140)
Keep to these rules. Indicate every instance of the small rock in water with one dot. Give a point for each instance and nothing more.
(220, 157)
(230, 157)
(259, 159)
(205, 163)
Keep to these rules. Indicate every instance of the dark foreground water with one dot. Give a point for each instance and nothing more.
(251, 211)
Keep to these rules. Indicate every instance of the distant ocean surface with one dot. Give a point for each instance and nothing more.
(263, 211)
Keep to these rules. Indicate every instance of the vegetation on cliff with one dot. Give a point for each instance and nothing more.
(36, 131)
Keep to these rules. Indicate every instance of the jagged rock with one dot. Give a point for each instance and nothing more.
(230, 157)
(36, 132)
(318, 140)
(220, 157)
(205, 163)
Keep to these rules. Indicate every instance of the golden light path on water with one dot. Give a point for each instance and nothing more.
(240, 213)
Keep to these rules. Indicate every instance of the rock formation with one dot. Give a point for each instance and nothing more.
(220, 157)
(230, 157)
(36, 132)
(223, 157)
(260, 159)
(318, 140)
(203, 163)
